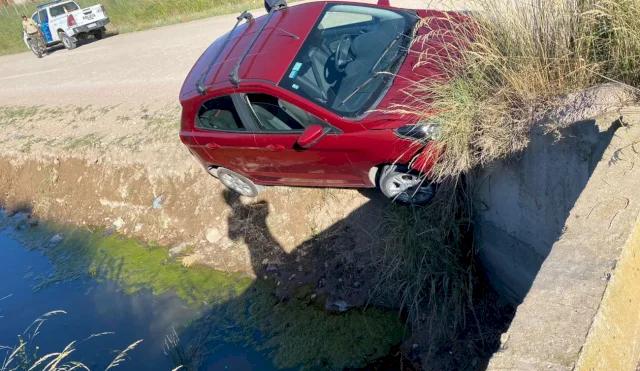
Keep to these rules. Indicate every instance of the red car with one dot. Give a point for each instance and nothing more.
(302, 97)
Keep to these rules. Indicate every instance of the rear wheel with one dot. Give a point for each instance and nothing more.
(406, 186)
(238, 183)
(99, 34)
(68, 42)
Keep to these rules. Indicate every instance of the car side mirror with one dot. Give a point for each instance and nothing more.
(311, 135)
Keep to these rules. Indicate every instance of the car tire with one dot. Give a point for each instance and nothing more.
(406, 186)
(238, 183)
(68, 42)
(99, 34)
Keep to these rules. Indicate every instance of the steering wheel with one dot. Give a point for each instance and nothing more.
(342, 56)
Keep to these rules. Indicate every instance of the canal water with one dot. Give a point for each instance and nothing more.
(92, 307)
(102, 293)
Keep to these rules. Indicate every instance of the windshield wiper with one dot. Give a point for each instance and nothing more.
(385, 52)
(344, 101)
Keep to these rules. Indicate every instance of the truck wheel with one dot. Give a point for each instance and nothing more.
(99, 34)
(405, 186)
(68, 42)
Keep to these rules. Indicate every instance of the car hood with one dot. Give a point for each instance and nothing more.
(423, 65)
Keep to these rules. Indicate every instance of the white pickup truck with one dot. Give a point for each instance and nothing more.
(64, 21)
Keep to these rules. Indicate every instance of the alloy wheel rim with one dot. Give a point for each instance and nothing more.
(409, 188)
(236, 184)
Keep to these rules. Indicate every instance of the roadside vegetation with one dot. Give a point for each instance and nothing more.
(513, 63)
(505, 70)
(125, 15)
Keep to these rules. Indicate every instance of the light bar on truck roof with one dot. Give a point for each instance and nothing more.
(51, 3)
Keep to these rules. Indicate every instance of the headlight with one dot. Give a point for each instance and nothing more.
(420, 131)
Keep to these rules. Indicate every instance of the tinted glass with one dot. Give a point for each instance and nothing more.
(62, 9)
(219, 114)
(274, 114)
(372, 41)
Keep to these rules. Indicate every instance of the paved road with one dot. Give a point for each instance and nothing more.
(142, 68)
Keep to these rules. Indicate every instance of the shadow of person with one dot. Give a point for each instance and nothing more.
(299, 307)
(248, 223)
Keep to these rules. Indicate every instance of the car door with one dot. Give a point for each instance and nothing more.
(220, 136)
(281, 161)
(44, 25)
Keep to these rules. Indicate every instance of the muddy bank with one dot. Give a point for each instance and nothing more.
(192, 211)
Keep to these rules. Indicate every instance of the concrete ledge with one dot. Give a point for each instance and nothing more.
(582, 311)
(614, 339)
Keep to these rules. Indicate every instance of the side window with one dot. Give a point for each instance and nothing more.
(42, 15)
(36, 18)
(274, 114)
(219, 114)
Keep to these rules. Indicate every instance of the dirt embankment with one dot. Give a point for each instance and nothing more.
(127, 170)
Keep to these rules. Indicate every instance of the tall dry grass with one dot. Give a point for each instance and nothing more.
(511, 63)
(24, 355)
(425, 264)
(125, 15)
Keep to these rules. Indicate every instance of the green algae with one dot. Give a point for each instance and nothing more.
(85, 253)
(298, 333)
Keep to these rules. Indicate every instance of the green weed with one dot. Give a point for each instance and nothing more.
(89, 140)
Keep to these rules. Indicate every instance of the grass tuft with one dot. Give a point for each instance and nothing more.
(24, 355)
(426, 265)
(512, 63)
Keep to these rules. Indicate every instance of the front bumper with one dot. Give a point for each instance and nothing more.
(98, 25)
(426, 159)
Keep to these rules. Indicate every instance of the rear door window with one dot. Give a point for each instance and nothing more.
(219, 114)
(276, 115)
(63, 9)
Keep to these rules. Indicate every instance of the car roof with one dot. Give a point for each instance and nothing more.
(269, 57)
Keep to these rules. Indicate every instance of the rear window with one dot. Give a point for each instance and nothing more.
(219, 114)
(63, 8)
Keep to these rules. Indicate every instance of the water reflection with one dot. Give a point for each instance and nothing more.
(94, 307)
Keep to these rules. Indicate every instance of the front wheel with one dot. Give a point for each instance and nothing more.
(238, 183)
(406, 186)
(68, 42)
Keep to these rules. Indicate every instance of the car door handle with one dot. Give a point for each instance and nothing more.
(212, 146)
(275, 147)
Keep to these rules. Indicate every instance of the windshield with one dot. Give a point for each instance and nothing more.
(348, 57)
(62, 9)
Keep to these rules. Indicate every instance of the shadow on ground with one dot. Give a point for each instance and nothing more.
(322, 305)
(90, 40)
